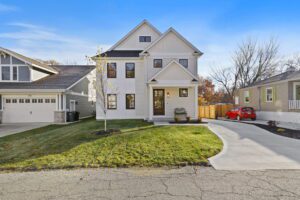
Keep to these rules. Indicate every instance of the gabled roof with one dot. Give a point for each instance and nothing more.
(29, 61)
(67, 75)
(168, 65)
(285, 76)
(132, 31)
(178, 35)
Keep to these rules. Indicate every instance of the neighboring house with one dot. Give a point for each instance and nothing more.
(31, 91)
(276, 98)
(151, 74)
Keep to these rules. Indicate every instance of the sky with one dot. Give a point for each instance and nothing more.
(70, 30)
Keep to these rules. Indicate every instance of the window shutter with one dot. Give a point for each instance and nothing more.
(274, 94)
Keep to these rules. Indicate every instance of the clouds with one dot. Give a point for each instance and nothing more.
(7, 8)
(47, 43)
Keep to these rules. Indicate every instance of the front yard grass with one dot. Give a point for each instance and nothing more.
(139, 144)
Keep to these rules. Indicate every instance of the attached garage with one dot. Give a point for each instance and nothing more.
(28, 108)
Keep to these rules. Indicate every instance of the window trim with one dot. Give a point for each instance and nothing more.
(157, 59)
(181, 94)
(187, 61)
(128, 108)
(266, 90)
(108, 70)
(247, 96)
(126, 76)
(108, 108)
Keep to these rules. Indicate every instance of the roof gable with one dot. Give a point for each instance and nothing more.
(130, 40)
(174, 71)
(170, 43)
(29, 61)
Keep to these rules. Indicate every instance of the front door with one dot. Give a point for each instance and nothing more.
(158, 102)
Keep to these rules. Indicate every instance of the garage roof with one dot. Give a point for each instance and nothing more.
(67, 75)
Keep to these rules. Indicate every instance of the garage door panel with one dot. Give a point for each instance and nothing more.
(28, 109)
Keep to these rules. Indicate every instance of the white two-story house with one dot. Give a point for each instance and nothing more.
(151, 74)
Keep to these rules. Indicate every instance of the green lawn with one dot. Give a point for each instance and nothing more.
(139, 144)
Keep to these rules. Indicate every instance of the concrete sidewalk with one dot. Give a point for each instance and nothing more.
(248, 147)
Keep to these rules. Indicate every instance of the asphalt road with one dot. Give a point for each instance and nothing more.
(187, 183)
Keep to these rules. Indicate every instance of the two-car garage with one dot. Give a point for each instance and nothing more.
(28, 108)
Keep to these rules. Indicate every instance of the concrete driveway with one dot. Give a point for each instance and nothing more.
(9, 129)
(247, 147)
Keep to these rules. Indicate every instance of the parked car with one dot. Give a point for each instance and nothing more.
(241, 113)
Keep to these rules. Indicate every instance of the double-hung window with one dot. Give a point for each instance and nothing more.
(130, 69)
(111, 101)
(269, 94)
(130, 101)
(111, 70)
(246, 96)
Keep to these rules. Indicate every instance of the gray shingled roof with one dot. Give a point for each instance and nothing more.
(285, 76)
(67, 75)
(121, 53)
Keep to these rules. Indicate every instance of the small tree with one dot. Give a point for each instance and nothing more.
(101, 84)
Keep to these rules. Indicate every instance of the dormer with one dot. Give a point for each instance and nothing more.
(138, 38)
(18, 68)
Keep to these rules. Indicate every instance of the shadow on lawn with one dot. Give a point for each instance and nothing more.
(56, 139)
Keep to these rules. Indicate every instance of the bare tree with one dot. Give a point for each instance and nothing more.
(49, 62)
(292, 63)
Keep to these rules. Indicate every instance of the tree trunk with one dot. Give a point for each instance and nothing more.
(105, 123)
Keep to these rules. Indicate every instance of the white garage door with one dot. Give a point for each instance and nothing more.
(35, 108)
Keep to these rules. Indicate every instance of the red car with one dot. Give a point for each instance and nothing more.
(241, 113)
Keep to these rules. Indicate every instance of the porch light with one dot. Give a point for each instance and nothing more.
(168, 94)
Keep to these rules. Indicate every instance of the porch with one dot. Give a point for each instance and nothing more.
(294, 102)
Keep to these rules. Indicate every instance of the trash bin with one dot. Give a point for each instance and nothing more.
(76, 116)
(70, 116)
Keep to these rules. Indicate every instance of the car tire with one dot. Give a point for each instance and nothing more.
(253, 119)
(238, 118)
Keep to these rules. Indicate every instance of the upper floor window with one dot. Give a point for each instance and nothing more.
(145, 38)
(130, 70)
(184, 62)
(5, 74)
(246, 96)
(157, 63)
(269, 94)
(111, 70)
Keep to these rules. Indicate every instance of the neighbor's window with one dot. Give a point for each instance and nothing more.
(15, 73)
(111, 70)
(269, 94)
(157, 63)
(184, 62)
(145, 38)
(130, 101)
(130, 70)
(5, 73)
(111, 101)
(183, 92)
(246, 96)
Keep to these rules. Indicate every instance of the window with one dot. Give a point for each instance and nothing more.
(72, 105)
(47, 100)
(14, 100)
(5, 73)
(130, 101)
(111, 101)
(130, 70)
(21, 100)
(7, 100)
(157, 63)
(27, 100)
(145, 38)
(246, 96)
(15, 73)
(53, 100)
(111, 70)
(183, 92)
(269, 94)
(24, 73)
(33, 100)
(40, 100)
(184, 62)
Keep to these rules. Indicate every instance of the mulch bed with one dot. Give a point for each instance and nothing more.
(108, 132)
(291, 133)
(188, 122)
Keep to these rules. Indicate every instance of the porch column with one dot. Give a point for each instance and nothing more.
(150, 102)
(196, 101)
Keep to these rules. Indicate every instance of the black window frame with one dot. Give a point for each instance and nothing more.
(116, 102)
(158, 59)
(145, 38)
(187, 62)
(128, 104)
(126, 70)
(181, 94)
(108, 66)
